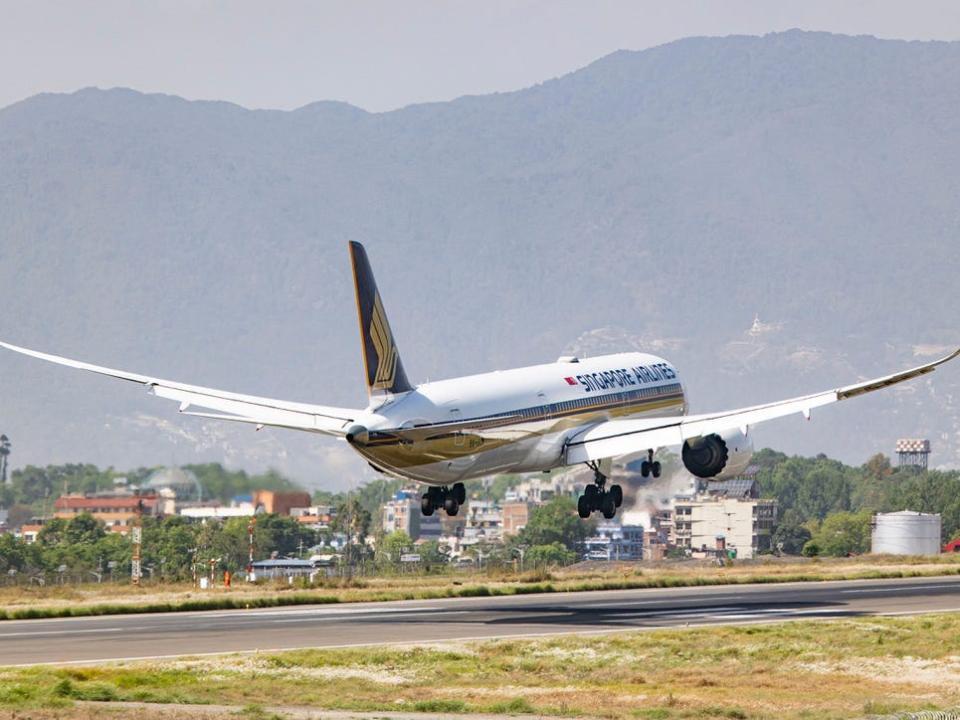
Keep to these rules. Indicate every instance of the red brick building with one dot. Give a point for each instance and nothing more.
(110, 509)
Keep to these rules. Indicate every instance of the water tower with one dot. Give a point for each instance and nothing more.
(913, 452)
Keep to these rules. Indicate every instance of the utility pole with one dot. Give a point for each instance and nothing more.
(4, 452)
(213, 569)
(193, 564)
(136, 534)
(251, 526)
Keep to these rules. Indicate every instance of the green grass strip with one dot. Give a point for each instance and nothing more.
(268, 601)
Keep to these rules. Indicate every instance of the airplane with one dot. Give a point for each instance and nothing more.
(569, 412)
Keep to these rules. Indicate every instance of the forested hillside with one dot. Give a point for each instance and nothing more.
(659, 199)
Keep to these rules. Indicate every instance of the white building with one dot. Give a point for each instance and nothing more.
(484, 521)
(613, 541)
(206, 512)
(403, 513)
(744, 524)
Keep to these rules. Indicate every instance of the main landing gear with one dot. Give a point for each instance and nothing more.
(650, 466)
(450, 499)
(596, 497)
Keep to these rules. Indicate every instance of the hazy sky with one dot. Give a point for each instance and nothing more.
(382, 55)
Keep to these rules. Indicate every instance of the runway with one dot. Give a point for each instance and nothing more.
(122, 637)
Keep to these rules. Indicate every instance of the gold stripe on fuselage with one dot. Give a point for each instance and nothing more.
(402, 448)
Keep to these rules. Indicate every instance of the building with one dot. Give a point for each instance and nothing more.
(741, 488)
(29, 531)
(316, 517)
(279, 502)
(208, 512)
(402, 513)
(293, 503)
(109, 509)
(515, 517)
(540, 488)
(745, 524)
(657, 538)
(613, 541)
(283, 568)
(484, 521)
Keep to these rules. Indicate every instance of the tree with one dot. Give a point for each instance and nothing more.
(843, 533)
(352, 519)
(790, 535)
(430, 554)
(168, 545)
(52, 532)
(931, 492)
(393, 546)
(17, 555)
(556, 522)
(553, 554)
(825, 489)
(83, 529)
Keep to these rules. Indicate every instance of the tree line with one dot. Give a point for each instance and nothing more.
(825, 506)
(32, 490)
(171, 546)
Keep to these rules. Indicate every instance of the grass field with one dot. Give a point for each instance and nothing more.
(812, 669)
(56, 601)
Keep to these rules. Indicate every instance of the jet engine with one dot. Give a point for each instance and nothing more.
(718, 456)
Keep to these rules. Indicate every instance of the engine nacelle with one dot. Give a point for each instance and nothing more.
(718, 456)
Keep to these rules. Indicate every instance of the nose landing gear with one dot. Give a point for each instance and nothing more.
(596, 497)
(450, 499)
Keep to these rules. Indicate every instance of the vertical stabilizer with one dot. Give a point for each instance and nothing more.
(380, 355)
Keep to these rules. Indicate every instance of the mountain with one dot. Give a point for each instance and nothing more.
(776, 214)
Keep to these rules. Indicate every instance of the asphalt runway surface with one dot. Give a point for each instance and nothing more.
(121, 637)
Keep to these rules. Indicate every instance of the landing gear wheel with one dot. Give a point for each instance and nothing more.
(426, 505)
(451, 505)
(608, 506)
(655, 469)
(460, 493)
(584, 506)
(591, 491)
(616, 492)
(645, 468)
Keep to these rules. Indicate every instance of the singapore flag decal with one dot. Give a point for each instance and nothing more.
(570, 381)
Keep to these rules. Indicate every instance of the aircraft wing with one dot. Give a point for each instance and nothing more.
(240, 408)
(622, 437)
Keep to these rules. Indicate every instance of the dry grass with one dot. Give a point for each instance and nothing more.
(52, 601)
(797, 670)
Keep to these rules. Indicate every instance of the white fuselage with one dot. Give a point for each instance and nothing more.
(510, 421)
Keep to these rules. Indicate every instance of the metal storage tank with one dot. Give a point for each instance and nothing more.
(906, 533)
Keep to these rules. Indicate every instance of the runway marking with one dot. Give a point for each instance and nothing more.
(321, 611)
(898, 589)
(369, 615)
(621, 604)
(33, 633)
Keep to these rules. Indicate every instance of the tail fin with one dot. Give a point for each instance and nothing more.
(380, 355)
